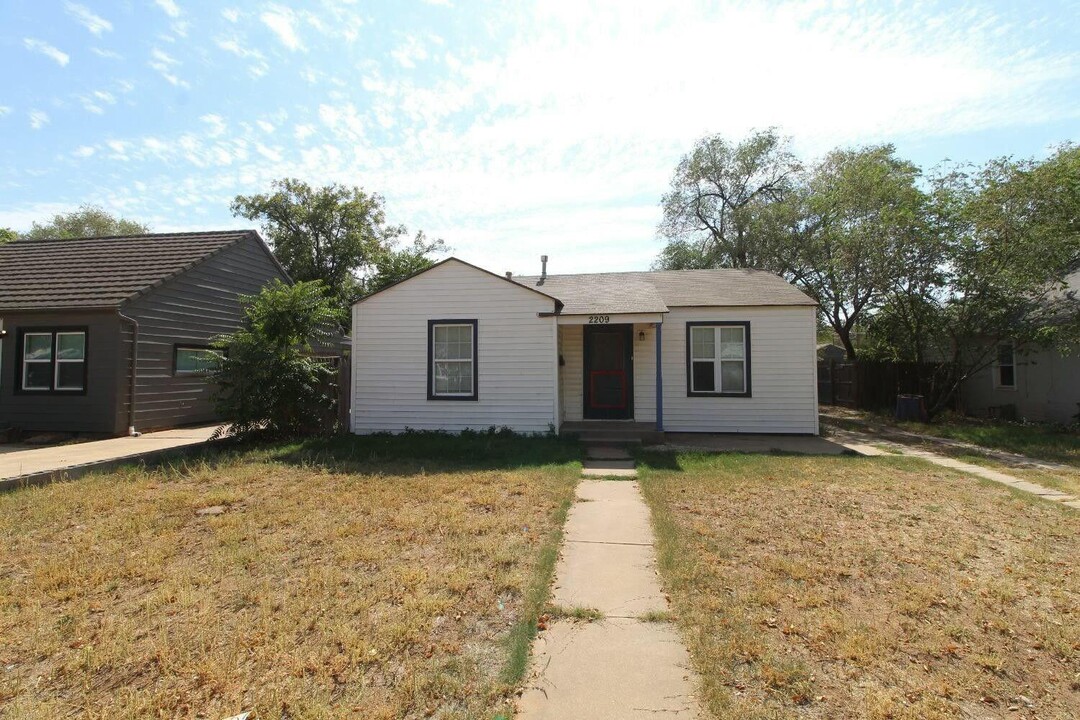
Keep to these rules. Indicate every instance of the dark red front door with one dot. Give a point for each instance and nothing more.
(609, 376)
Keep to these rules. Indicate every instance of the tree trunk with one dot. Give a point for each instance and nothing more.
(845, 340)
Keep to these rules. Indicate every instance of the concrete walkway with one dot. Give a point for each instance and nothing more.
(835, 421)
(51, 463)
(872, 446)
(620, 667)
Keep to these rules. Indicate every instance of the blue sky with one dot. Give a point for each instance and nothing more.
(507, 129)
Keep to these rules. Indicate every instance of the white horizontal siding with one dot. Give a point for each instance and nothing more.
(516, 350)
(571, 371)
(644, 374)
(782, 366)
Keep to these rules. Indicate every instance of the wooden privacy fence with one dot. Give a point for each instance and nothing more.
(871, 385)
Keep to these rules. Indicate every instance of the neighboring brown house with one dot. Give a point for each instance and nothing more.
(74, 313)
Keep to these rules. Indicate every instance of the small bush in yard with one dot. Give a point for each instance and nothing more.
(268, 380)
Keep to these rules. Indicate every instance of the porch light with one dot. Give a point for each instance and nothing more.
(641, 335)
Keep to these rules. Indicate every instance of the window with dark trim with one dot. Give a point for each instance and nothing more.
(718, 359)
(51, 360)
(194, 359)
(1005, 367)
(452, 360)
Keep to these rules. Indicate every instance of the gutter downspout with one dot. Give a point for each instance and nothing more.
(133, 373)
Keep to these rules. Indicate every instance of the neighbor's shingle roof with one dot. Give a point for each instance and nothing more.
(98, 272)
(650, 292)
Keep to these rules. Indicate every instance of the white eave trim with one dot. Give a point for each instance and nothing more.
(611, 319)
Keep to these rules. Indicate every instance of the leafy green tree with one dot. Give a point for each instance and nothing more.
(717, 213)
(858, 233)
(394, 264)
(336, 234)
(7, 235)
(849, 229)
(268, 382)
(87, 221)
(1012, 238)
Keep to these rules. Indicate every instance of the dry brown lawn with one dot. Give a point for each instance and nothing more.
(318, 593)
(868, 588)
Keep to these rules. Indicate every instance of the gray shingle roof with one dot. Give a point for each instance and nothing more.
(656, 291)
(98, 272)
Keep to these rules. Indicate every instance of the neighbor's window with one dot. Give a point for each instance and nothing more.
(53, 360)
(1005, 367)
(194, 360)
(719, 359)
(452, 371)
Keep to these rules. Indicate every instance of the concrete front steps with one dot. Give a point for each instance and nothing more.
(613, 432)
(609, 444)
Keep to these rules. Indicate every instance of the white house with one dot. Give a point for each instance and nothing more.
(458, 347)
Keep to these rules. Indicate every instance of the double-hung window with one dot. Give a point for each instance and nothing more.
(718, 359)
(1005, 366)
(52, 361)
(452, 367)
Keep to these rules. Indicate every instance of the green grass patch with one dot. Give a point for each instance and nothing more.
(578, 613)
(519, 641)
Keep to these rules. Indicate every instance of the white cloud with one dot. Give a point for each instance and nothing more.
(4, 110)
(38, 119)
(169, 7)
(109, 54)
(555, 127)
(409, 52)
(265, 126)
(82, 14)
(84, 151)
(258, 66)
(230, 14)
(216, 123)
(281, 22)
(44, 48)
(119, 150)
(165, 65)
(269, 153)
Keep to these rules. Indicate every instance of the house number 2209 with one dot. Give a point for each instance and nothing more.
(599, 319)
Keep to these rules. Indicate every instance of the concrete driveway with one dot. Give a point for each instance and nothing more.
(19, 465)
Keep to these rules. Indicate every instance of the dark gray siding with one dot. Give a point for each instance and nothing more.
(191, 309)
(92, 412)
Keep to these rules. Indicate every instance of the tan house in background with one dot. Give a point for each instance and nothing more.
(1034, 384)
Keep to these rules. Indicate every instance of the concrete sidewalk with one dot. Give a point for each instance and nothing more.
(38, 465)
(870, 445)
(619, 667)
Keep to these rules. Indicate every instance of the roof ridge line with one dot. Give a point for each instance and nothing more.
(137, 236)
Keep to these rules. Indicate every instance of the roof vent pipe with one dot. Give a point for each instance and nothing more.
(509, 275)
(543, 267)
